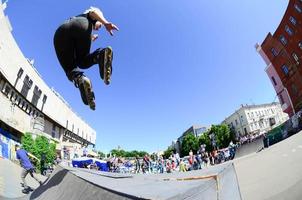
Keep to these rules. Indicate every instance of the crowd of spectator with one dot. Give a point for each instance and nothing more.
(157, 164)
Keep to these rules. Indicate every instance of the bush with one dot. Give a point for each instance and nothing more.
(27, 142)
(190, 142)
(40, 147)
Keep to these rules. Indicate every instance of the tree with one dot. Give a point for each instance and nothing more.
(38, 147)
(127, 154)
(101, 154)
(222, 135)
(142, 153)
(168, 152)
(190, 142)
(41, 146)
(205, 139)
(27, 142)
(117, 153)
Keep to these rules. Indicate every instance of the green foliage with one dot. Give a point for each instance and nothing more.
(27, 142)
(41, 146)
(168, 152)
(101, 154)
(127, 154)
(51, 153)
(190, 142)
(205, 139)
(38, 147)
(233, 135)
(222, 134)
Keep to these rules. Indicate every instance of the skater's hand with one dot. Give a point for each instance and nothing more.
(94, 37)
(110, 27)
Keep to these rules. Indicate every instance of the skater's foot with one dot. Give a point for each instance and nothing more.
(85, 86)
(105, 64)
(25, 191)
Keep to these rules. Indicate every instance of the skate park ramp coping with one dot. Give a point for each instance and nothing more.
(219, 182)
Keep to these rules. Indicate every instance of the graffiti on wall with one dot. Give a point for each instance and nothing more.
(7, 145)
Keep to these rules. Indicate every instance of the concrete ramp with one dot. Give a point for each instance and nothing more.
(219, 182)
(63, 184)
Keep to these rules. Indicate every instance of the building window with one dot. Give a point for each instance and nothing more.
(293, 20)
(296, 58)
(285, 69)
(300, 45)
(274, 52)
(236, 122)
(27, 83)
(44, 98)
(274, 81)
(19, 101)
(281, 99)
(294, 89)
(289, 30)
(36, 96)
(12, 95)
(298, 8)
(283, 40)
(53, 132)
(20, 72)
(6, 90)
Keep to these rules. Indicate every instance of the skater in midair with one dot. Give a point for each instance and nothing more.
(72, 41)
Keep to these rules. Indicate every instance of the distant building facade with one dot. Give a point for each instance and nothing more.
(282, 53)
(254, 119)
(196, 130)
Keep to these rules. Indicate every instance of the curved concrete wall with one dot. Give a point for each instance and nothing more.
(12, 60)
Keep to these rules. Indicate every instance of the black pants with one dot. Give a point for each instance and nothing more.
(72, 42)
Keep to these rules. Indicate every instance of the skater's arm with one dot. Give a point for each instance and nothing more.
(32, 156)
(97, 14)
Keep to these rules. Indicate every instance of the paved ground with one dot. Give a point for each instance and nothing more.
(10, 179)
(274, 173)
(249, 148)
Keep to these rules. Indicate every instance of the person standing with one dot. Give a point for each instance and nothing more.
(28, 168)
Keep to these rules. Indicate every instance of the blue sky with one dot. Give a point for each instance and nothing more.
(176, 63)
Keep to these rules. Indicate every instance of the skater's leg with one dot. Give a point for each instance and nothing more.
(104, 59)
(82, 38)
(32, 175)
(23, 175)
(65, 50)
(85, 59)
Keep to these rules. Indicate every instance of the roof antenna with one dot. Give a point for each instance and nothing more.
(4, 5)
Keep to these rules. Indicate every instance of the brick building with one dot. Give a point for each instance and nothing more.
(282, 52)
